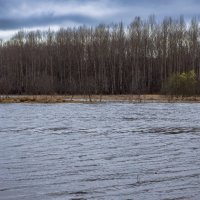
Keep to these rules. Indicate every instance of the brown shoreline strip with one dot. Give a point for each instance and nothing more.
(95, 99)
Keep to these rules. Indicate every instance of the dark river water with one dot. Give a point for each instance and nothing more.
(99, 151)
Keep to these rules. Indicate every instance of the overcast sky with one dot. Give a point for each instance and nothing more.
(42, 14)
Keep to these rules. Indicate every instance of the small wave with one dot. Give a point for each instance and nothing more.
(174, 130)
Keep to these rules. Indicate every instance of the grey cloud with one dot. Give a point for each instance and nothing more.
(46, 20)
(13, 13)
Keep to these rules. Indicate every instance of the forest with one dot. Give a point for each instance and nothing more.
(106, 59)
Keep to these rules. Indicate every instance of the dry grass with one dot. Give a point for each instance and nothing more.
(94, 98)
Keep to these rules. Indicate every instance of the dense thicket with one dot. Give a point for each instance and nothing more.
(114, 59)
(184, 84)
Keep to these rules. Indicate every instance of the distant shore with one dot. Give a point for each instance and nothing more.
(96, 98)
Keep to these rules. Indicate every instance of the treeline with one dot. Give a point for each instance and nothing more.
(114, 59)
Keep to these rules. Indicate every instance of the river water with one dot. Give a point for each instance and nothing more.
(99, 151)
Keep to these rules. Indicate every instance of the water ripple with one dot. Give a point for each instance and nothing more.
(99, 151)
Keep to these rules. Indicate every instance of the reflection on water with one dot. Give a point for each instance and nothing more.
(99, 151)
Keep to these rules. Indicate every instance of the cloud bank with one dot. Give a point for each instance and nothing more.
(27, 14)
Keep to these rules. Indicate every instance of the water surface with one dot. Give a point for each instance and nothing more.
(99, 151)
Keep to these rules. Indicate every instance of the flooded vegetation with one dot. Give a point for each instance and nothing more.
(99, 151)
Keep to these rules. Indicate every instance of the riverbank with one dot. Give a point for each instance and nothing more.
(95, 99)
